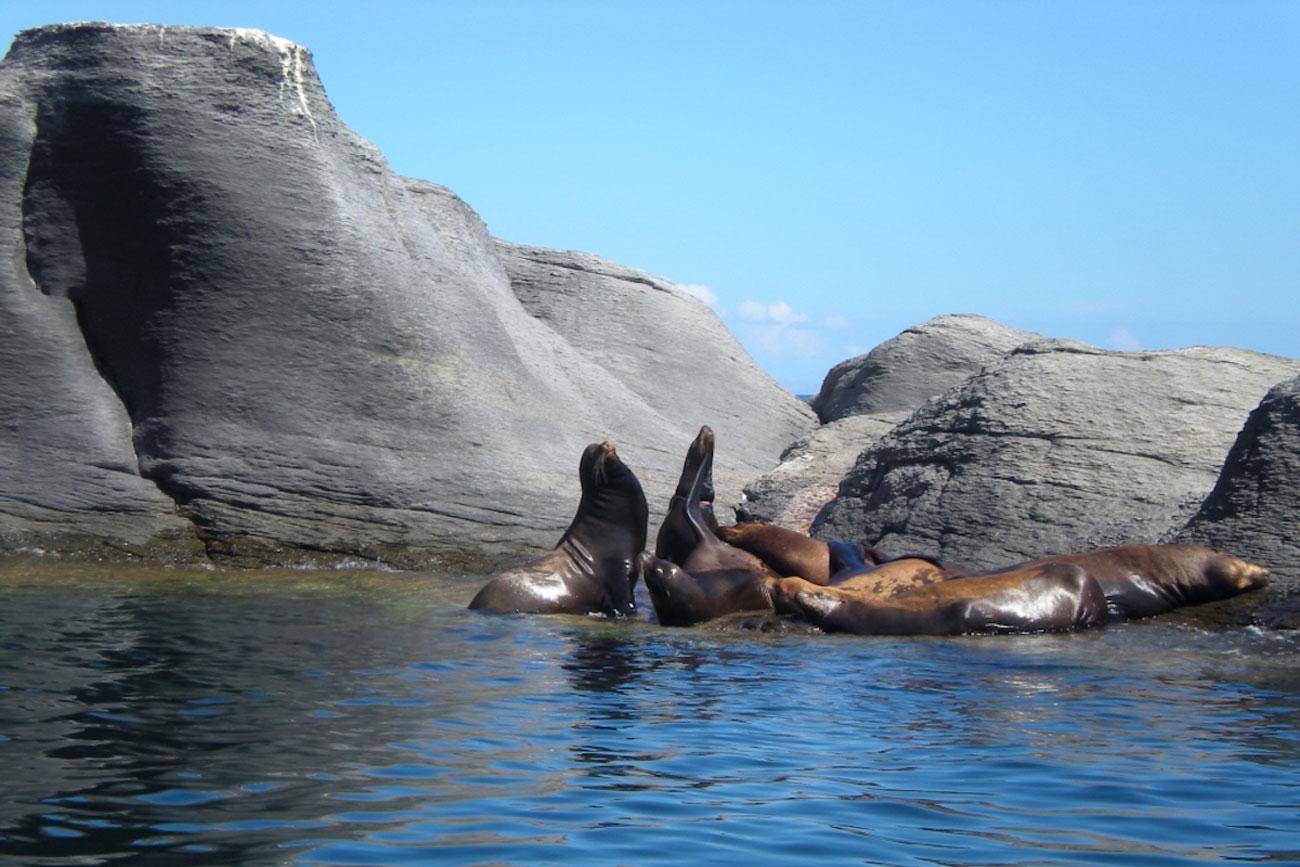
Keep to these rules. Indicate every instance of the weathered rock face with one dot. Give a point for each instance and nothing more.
(864, 398)
(904, 372)
(808, 478)
(653, 338)
(1254, 509)
(1060, 447)
(230, 318)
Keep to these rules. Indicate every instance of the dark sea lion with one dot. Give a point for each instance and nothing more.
(676, 538)
(595, 565)
(1144, 580)
(709, 578)
(851, 556)
(1045, 598)
(682, 598)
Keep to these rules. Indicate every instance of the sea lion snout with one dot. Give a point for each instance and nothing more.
(1252, 575)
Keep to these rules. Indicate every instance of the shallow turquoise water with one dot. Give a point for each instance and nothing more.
(167, 717)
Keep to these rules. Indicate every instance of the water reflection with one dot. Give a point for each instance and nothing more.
(220, 722)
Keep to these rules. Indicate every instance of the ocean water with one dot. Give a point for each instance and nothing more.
(161, 716)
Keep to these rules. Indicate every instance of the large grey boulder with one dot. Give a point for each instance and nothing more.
(1059, 447)
(236, 323)
(1254, 509)
(863, 398)
(905, 371)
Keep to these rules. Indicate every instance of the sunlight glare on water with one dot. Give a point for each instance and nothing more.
(345, 718)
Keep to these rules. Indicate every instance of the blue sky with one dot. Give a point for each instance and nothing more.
(828, 173)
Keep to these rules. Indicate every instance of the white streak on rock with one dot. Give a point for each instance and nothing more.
(291, 66)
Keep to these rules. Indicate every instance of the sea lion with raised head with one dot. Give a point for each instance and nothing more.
(1144, 580)
(676, 537)
(695, 576)
(595, 565)
(1047, 598)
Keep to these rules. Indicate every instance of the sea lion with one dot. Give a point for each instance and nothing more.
(595, 565)
(708, 578)
(1045, 598)
(1144, 580)
(676, 538)
(880, 581)
(682, 598)
(785, 552)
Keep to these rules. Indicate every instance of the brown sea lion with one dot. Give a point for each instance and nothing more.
(676, 537)
(709, 578)
(881, 581)
(595, 565)
(785, 552)
(684, 598)
(789, 552)
(1045, 598)
(1143, 580)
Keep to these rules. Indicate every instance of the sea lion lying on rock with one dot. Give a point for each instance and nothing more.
(1144, 580)
(1048, 594)
(916, 598)
(595, 565)
(789, 552)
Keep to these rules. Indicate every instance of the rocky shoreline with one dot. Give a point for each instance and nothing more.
(232, 334)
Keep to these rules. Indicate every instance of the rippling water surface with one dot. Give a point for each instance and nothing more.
(171, 717)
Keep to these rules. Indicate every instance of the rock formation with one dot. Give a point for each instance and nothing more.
(922, 361)
(864, 398)
(1254, 509)
(1059, 447)
(653, 338)
(227, 319)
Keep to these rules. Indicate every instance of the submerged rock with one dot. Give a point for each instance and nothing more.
(862, 399)
(1059, 447)
(230, 319)
(1254, 509)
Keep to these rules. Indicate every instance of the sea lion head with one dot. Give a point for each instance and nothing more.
(697, 470)
(678, 598)
(680, 532)
(1226, 575)
(612, 515)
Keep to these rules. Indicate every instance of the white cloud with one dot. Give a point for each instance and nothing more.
(782, 312)
(783, 340)
(704, 293)
(836, 322)
(1124, 340)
